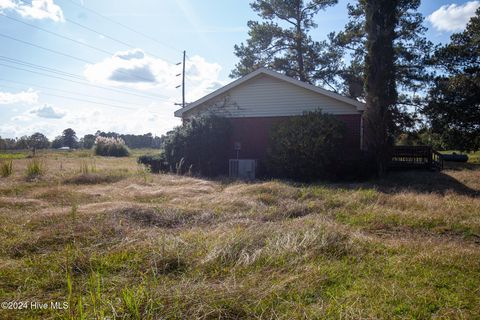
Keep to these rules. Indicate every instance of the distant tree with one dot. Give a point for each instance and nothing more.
(282, 42)
(69, 138)
(7, 144)
(381, 19)
(57, 142)
(87, 141)
(38, 141)
(453, 108)
(22, 143)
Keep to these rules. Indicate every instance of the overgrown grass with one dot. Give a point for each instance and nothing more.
(161, 246)
(35, 169)
(6, 168)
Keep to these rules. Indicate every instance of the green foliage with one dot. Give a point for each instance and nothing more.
(16, 155)
(88, 141)
(111, 147)
(307, 147)
(6, 168)
(38, 141)
(135, 141)
(35, 169)
(411, 53)
(453, 108)
(57, 142)
(282, 41)
(199, 146)
(69, 138)
(157, 163)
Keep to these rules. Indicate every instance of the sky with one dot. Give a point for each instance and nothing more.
(111, 65)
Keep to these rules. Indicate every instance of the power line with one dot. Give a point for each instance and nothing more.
(84, 100)
(35, 66)
(57, 34)
(77, 99)
(68, 55)
(59, 90)
(71, 75)
(125, 26)
(78, 82)
(131, 46)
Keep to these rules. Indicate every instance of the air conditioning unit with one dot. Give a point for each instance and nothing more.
(242, 168)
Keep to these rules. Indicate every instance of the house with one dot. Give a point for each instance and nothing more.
(258, 100)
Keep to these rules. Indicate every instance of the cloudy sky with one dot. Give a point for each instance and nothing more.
(63, 65)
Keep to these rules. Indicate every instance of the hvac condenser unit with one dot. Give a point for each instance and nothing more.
(242, 168)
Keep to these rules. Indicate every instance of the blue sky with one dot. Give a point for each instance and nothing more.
(128, 85)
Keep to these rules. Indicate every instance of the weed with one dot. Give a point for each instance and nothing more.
(86, 168)
(6, 168)
(35, 169)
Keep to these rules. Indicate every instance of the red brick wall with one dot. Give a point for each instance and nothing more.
(253, 134)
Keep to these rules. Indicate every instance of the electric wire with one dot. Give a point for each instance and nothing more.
(68, 55)
(126, 27)
(78, 82)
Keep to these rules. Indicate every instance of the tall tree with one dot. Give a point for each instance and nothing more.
(38, 141)
(282, 42)
(381, 19)
(69, 138)
(453, 108)
(412, 52)
(87, 141)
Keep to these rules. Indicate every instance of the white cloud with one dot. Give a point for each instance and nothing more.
(29, 96)
(136, 69)
(37, 9)
(48, 112)
(453, 17)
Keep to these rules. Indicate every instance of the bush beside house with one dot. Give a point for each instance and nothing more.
(308, 147)
(198, 146)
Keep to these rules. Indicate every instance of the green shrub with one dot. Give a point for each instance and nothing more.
(306, 147)
(156, 163)
(199, 146)
(111, 147)
(6, 168)
(35, 168)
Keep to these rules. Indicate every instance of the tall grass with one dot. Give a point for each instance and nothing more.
(35, 169)
(6, 168)
(86, 168)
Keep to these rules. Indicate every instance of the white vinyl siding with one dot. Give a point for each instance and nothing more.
(266, 96)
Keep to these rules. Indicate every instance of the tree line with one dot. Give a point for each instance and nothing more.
(69, 139)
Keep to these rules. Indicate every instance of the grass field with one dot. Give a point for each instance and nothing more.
(116, 242)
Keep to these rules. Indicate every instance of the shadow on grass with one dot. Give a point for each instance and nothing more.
(424, 181)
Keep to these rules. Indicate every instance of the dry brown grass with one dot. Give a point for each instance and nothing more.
(182, 247)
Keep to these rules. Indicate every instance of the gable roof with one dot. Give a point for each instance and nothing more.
(359, 105)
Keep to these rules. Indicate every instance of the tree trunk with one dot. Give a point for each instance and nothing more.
(298, 41)
(381, 19)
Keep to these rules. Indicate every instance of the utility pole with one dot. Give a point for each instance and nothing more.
(183, 81)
